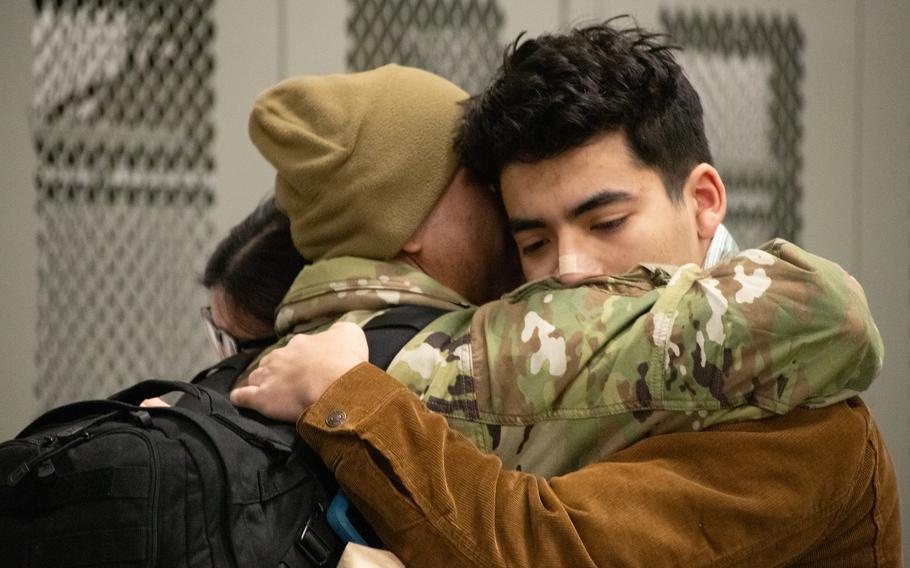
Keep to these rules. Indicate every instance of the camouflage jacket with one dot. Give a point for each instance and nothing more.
(552, 377)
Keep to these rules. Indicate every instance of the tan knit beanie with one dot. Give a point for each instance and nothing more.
(361, 158)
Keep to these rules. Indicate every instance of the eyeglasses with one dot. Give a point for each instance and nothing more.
(226, 344)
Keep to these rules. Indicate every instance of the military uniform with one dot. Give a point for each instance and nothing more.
(551, 377)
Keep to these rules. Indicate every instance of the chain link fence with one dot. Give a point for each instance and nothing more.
(456, 39)
(122, 131)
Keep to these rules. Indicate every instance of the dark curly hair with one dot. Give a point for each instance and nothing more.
(557, 92)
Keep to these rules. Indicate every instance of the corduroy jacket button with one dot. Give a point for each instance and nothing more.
(335, 418)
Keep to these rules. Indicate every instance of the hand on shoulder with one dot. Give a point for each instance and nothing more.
(288, 380)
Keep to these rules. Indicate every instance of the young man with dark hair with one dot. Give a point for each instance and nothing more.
(597, 142)
(606, 202)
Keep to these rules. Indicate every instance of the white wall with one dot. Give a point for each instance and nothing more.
(18, 223)
(246, 62)
(881, 210)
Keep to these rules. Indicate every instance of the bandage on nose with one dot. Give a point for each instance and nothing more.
(575, 264)
(568, 264)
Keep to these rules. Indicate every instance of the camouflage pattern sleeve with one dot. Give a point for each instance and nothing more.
(551, 378)
(771, 328)
(775, 327)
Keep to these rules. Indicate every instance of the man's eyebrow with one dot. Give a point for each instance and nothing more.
(601, 199)
(517, 225)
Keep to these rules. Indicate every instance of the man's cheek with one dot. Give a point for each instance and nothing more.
(530, 269)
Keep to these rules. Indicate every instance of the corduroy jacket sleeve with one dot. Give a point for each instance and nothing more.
(806, 487)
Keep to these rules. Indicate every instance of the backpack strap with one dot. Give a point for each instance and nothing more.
(388, 332)
(221, 376)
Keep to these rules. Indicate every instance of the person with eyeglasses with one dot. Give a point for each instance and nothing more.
(225, 342)
(246, 277)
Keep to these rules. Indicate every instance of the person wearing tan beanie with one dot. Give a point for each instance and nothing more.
(354, 175)
(362, 162)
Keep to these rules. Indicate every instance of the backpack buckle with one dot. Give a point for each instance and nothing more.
(316, 548)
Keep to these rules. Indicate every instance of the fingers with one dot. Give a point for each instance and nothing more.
(258, 375)
(296, 340)
(266, 367)
(267, 402)
(245, 396)
(291, 378)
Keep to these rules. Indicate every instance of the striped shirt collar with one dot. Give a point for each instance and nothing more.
(721, 248)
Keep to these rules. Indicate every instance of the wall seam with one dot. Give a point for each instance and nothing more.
(858, 78)
(281, 59)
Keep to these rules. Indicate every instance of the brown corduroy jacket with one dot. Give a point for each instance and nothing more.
(811, 488)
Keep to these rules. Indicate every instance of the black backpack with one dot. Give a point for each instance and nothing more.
(109, 483)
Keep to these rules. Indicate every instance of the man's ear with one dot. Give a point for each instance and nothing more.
(411, 251)
(710, 198)
(413, 245)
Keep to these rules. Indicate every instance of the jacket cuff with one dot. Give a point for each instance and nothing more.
(347, 402)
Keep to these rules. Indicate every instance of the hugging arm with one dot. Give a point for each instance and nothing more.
(725, 496)
(770, 489)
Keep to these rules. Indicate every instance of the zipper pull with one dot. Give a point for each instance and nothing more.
(46, 469)
(68, 434)
(17, 474)
(142, 417)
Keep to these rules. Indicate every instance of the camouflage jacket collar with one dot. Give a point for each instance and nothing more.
(640, 280)
(330, 288)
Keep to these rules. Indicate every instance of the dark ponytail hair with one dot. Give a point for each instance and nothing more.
(256, 263)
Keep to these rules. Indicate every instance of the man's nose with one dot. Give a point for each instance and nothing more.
(573, 277)
(574, 265)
